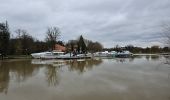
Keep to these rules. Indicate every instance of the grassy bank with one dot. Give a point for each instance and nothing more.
(18, 57)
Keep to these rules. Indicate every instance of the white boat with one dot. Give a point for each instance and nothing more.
(71, 56)
(105, 54)
(113, 54)
(101, 54)
(47, 55)
(124, 54)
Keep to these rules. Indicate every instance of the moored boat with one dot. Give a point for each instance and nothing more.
(101, 54)
(113, 54)
(47, 55)
(59, 55)
(71, 56)
(124, 54)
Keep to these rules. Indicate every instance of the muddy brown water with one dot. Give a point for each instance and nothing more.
(137, 78)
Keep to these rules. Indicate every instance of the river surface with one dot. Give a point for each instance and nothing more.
(137, 78)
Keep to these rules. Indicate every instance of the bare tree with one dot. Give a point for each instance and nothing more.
(52, 35)
(24, 42)
(166, 34)
(94, 46)
(19, 32)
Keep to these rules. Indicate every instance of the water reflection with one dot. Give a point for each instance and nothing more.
(18, 70)
(123, 60)
(148, 57)
(167, 60)
(52, 75)
(79, 65)
(52, 62)
(52, 67)
(83, 65)
(155, 57)
(4, 78)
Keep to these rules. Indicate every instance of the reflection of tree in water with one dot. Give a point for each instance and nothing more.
(167, 60)
(137, 56)
(131, 59)
(22, 69)
(123, 60)
(52, 75)
(148, 57)
(16, 70)
(82, 65)
(155, 57)
(4, 78)
(52, 67)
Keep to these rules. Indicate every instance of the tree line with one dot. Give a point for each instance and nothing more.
(82, 45)
(133, 49)
(24, 43)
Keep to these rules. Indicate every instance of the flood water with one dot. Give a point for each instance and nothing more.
(137, 78)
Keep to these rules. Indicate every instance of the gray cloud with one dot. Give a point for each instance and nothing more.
(110, 22)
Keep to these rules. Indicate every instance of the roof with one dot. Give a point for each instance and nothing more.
(59, 48)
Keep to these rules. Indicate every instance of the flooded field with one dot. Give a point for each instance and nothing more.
(138, 78)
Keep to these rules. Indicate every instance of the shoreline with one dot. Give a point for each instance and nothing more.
(30, 57)
(145, 54)
(18, 57)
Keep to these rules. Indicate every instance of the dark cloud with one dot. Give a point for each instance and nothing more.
(110, 22)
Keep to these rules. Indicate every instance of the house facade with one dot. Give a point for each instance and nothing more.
(59, 48)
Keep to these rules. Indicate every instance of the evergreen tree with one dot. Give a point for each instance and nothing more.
(4, 38)
(82, 48)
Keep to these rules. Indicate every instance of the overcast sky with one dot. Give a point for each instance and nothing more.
(111, 22)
